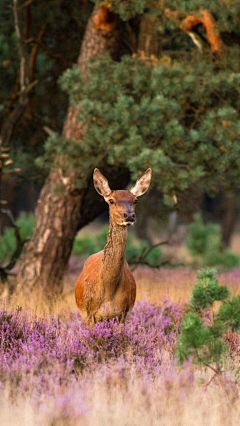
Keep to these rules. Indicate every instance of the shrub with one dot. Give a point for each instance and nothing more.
(207, 290)
(88, 245)
(84, 245)
(25, 222)
(35, 346)
(205, 244)
(202, 340)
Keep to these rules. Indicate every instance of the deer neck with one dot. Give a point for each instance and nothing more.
(113, 257)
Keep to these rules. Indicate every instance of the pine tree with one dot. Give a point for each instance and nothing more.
(178, 113)
(58, 211)
(202, 335)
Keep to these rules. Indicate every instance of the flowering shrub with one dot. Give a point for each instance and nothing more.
(59, 349)
(70, 374)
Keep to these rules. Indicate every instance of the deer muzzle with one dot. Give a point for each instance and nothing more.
(130, 217)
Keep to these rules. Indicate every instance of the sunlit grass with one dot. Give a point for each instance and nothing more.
(124, 377)
(110, 398)
(152, 285)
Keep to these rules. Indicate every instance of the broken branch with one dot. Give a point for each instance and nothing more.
(104, 19)
(207, 20)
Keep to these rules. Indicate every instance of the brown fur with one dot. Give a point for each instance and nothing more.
(90, 295)
(106, 288)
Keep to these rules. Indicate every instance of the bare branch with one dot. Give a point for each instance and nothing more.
(35, 50)
(141, 258)
(19, 21)
(50, 132)
(208, 383)
(206, 19)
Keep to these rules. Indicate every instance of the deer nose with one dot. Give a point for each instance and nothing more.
(130, 216)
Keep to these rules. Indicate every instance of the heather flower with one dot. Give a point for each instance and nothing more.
(61, 367)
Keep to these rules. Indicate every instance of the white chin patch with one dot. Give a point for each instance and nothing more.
(127, 223)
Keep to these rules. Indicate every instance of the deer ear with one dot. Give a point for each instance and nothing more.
(142, 184)
(101, 183)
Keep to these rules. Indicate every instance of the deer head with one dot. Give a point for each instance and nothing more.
(121, 203)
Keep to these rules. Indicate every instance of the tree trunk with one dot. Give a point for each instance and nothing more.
(229, 219)
(189, 202)
(141, 228)
(149, 39)
(59, 215)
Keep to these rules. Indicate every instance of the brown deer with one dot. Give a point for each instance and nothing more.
(106, 287)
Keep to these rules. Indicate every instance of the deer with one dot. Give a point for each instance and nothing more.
(106, 288)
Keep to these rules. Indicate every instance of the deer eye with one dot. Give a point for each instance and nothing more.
(111, 201)
(135, 201)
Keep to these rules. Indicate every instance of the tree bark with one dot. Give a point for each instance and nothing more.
(189, 202)
(230, 216)
(149, 39)
(59, 215)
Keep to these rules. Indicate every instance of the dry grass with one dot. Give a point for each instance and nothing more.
(235, 243)
(169, 399)
(152, 284)
(177, 284)
(116, 397)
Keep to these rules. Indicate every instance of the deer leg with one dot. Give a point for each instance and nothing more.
(121, 321)
(90, 320)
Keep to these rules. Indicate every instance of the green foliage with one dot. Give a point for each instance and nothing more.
(227, 15)
(25, 222)
(7, 245)
(127, 9)
(229, 312)
(84, 246)
(199, 235)
(180, 119)
(205, 244)
(180, 116)
(205, 343)
(196, 339)
(225, 258)
(55, 53)
(87, 245)
(207, 290)
(142, 253)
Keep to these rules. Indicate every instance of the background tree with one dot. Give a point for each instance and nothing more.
(173, 105)
(30, 98)
(58, 213)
